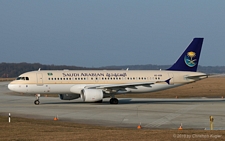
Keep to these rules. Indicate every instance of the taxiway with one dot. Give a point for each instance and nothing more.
(193, 113)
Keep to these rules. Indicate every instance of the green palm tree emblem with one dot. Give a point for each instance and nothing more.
(189, 59)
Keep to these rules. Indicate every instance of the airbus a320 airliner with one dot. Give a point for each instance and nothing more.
(94, 85)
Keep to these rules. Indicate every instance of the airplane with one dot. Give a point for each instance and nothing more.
(95, 85)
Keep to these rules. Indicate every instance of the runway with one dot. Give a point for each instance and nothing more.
(193, 113)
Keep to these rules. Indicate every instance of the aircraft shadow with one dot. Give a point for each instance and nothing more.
(137, 101)
(165, 101)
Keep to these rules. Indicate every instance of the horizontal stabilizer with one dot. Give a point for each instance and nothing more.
(197, 77)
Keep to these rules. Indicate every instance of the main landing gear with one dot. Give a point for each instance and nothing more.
(37, 102)
(114, 101)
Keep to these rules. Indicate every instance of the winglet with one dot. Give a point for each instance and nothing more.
(188, 61)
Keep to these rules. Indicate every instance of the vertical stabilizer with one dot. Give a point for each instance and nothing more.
(188, 61)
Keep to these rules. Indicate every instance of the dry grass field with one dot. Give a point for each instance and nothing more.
(7, 79)
(33, 129)
(22, 129)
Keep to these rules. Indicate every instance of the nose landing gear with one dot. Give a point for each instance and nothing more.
(37, 102)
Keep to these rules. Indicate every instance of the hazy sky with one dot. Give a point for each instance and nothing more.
(94, 33)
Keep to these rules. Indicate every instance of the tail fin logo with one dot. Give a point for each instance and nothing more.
(189, 59)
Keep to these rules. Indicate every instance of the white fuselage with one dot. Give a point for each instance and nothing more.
(72, 82)
(94, 85)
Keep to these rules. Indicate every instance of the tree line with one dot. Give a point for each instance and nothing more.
(9, 70)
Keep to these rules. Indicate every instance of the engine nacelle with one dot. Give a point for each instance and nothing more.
(91, 95)
(68, 96)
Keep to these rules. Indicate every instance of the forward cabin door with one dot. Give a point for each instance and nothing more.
(172, 78)
(39, 79)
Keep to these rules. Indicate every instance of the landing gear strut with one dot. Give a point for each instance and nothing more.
(114, 101)
(37, 102)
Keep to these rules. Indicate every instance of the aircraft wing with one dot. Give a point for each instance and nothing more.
(117, 87)
(147, 84)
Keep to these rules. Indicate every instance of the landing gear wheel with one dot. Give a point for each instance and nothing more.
(114, 101)
(36, 102)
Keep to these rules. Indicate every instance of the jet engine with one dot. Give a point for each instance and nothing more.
(68, 96)
(91, 95)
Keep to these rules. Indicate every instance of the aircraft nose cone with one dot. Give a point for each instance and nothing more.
(10, 87)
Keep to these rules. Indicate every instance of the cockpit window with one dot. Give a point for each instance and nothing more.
(22, 78)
